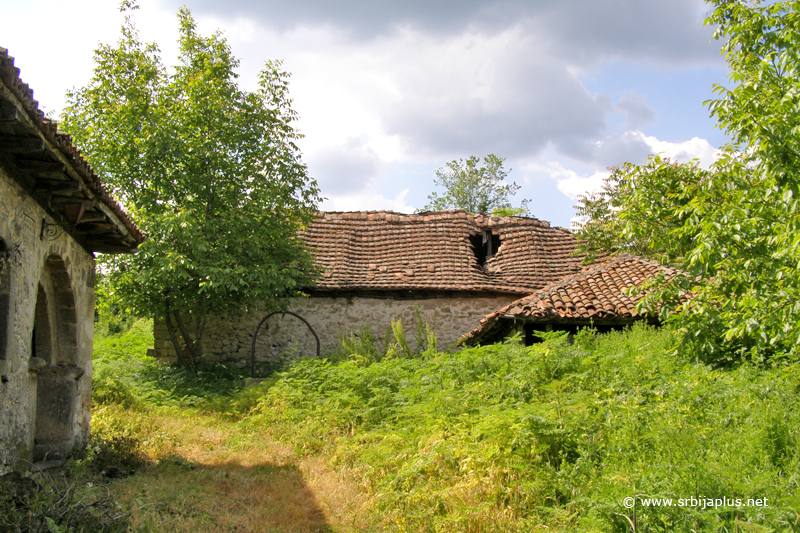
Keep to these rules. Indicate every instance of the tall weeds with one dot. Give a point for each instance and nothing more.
(555, 436)
(364, 347)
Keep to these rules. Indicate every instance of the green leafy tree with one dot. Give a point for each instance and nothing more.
(734, 229)
(475, 188)
(209, 171)
(635, 213)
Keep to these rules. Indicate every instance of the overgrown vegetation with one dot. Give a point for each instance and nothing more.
(555, 436)
(500, 438)
(363, 346)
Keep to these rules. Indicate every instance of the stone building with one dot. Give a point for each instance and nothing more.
(54, 214)
(452, 267)
(597, 297)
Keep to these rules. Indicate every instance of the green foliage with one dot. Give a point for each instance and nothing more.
(507, 438)
(211, 174)
(114, 456)
(400, 347)
(424, 336)
(65, 501)
(124, 376)
(735, 229)
(503, 437)
(363, 347)
(475, 189)
(639, 211)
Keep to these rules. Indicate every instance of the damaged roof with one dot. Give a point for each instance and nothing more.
(443, 251)
(598, 294)
(44, 162)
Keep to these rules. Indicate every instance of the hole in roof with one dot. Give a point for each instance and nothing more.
(484, 246)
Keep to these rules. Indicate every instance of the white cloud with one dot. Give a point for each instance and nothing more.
(478, 93)
(695, 148)
(573, 184)
(418, 83)
(345, 168)
(569, 182)
(664, 30)
(71, 30)
(638, 112)
(368, 200)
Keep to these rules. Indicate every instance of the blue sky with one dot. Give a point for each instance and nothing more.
(390, 91)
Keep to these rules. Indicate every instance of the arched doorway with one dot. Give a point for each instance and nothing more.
(54, 344)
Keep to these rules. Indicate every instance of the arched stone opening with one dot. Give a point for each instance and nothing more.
(285, 339)
(54, 348)
(5, 298)
(281, 336)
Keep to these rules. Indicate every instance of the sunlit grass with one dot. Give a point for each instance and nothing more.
(216, 476)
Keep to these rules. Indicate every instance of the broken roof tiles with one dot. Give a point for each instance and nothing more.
(383, 250)
(597, 293)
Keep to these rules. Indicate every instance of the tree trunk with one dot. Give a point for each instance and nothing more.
(194, 348)
(183, 360)
(199, 327)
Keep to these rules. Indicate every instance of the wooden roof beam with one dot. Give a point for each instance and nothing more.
(21, 145)
(30, 165)
(8, 115)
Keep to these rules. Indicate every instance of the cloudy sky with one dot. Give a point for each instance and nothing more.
(390, 91)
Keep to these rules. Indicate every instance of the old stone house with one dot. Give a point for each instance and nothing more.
(381, 266)
(54, 214)
(598, 297)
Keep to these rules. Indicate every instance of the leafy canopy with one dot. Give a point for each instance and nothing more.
(475, 188)
(209, 171)
(735, 228)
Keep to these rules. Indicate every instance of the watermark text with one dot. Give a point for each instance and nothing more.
(700, 503)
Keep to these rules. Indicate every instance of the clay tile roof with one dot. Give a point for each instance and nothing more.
(598, 292)
(383, 250)
(46, 163)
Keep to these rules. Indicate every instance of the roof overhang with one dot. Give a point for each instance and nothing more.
(45, 163)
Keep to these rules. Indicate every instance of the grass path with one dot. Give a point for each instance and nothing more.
(212, 475)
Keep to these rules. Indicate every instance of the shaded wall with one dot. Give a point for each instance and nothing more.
(46, 328)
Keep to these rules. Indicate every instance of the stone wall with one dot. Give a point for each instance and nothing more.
(230, 338)
(46, 328)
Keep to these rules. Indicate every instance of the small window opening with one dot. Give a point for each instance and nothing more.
(484, 246)
(5, 297)
(42, 342)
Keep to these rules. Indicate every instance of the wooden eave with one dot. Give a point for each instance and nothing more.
(48, 176)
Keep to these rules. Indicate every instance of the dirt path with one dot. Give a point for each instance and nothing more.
(212, 475)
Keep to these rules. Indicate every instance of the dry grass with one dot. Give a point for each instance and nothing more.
(216, 475)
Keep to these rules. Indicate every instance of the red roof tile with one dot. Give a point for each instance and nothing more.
(599, 292)
(383, 250)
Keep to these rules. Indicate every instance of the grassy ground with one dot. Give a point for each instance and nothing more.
(502, 438)
(207, 471)
(210, 475)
